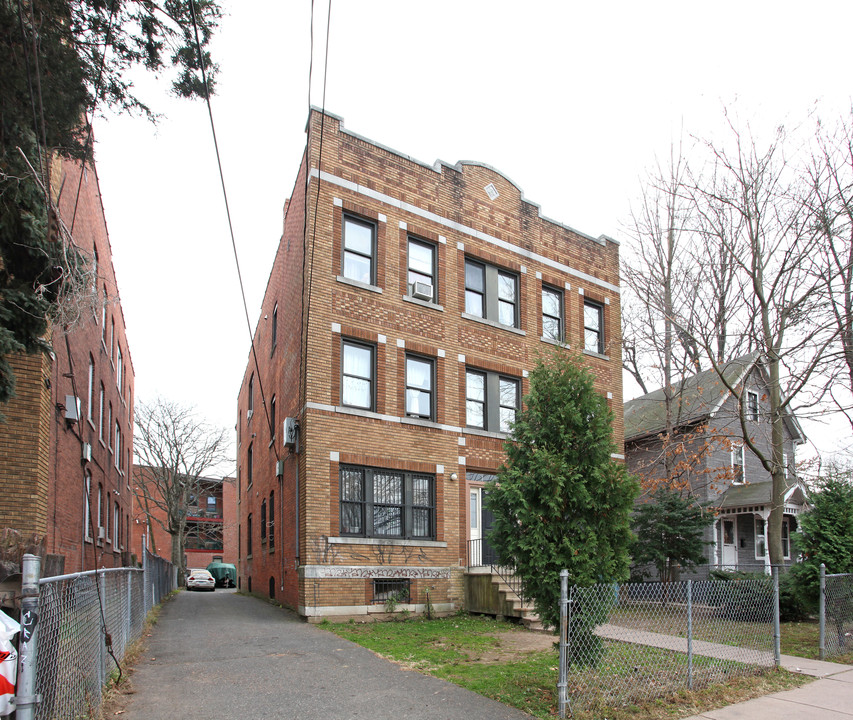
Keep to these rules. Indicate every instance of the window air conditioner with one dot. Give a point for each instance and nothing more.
(249, 414)
(422, 291)
(87, 452)
(101, 533)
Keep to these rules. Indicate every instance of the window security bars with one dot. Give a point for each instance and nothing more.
(391, 590)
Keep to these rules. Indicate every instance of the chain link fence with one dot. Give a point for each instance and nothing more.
(836, 613)
(630, 643)
(82, 616)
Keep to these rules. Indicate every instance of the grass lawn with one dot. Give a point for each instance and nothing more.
(519, 668)
(803, 640)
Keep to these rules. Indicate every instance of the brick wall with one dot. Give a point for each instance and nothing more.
(447, 206)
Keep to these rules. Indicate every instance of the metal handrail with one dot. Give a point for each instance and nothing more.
(506, 573)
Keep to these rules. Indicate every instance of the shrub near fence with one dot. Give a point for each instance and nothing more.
(630, 643)
(73, 662)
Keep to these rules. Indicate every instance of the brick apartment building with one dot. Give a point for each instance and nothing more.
(53, 447)
(211, 523)
(405, 307)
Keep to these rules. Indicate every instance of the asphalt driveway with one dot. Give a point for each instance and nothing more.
(224, 655)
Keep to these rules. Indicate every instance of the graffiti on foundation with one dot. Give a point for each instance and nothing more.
(345, 572)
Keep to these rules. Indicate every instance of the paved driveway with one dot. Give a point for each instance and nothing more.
(223, 655)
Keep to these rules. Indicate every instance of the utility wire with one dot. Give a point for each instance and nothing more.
(230, 224)
(307, 310)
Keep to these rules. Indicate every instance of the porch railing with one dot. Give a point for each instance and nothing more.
(482, 554)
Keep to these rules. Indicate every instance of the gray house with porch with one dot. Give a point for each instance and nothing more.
(713, 464)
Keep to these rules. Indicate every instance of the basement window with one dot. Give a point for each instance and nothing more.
(391, 590)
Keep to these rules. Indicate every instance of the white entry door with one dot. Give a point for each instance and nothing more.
(480, 519)
(729, 558)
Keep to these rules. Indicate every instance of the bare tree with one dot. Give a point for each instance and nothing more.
(658, 346)
(175, 448)
(756, 235)
(830, 176)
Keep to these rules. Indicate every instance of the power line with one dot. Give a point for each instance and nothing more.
(228, 214)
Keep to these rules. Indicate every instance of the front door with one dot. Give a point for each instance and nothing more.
(729, 557)
(480, 550)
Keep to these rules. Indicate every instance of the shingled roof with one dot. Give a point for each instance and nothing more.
(696, 398)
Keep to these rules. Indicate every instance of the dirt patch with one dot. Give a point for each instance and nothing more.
(513, 645)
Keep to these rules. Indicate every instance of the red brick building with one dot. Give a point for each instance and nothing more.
(404, 310)
(211, 524)
(69, 430)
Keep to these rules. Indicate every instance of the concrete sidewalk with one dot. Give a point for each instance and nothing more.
(830, 697)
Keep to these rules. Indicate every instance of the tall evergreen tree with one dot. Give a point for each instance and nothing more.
(669, 533)
(560, 500)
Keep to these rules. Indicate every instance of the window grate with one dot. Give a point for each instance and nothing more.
(391, 590)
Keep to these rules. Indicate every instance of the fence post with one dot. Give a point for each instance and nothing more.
(128, 616)
(25, 697)
(689, 634)
(562, 680)
(102, 630)
(777, 632)
(822, 601)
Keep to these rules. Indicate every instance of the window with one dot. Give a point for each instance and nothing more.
(249, 534)
(751, 405)
(785, 464)
(738, 465)
(249, 465)
(90, 393)
(112, 337)
(786, 539)
(272, 519)
(357, 375)
(272, 419)
(251, 394)
(104, 318)
(421, 277)
(392, 590)
(109, 426)
(211, 506)
(95, 270)
(552, 314)
(359, 246)
(491, 294)
(118, 452)
(593, 324)
(115, 528)
(101, 413)
(118, 368)
(274, 326)
(263, 521)
(100, 508)
(491, 400)
(387, 503)
(419, 387)
(87, 502)
(760, 539)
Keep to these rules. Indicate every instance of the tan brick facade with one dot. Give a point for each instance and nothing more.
(317, 565)
(43, 475)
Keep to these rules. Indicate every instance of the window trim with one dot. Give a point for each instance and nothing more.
(786, 538)
(763, 536)
(492, 404)
(350, 342)
(738, 450)
(364, 222)
(367, 504)
(274, 330)
(413, 239)
(431, 392)
(752, 408)
(599, 331)
(561, 323)
(490, 299)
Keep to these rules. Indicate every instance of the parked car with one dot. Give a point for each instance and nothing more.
(200, 580)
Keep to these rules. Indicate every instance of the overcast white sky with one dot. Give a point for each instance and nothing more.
(570, 100)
